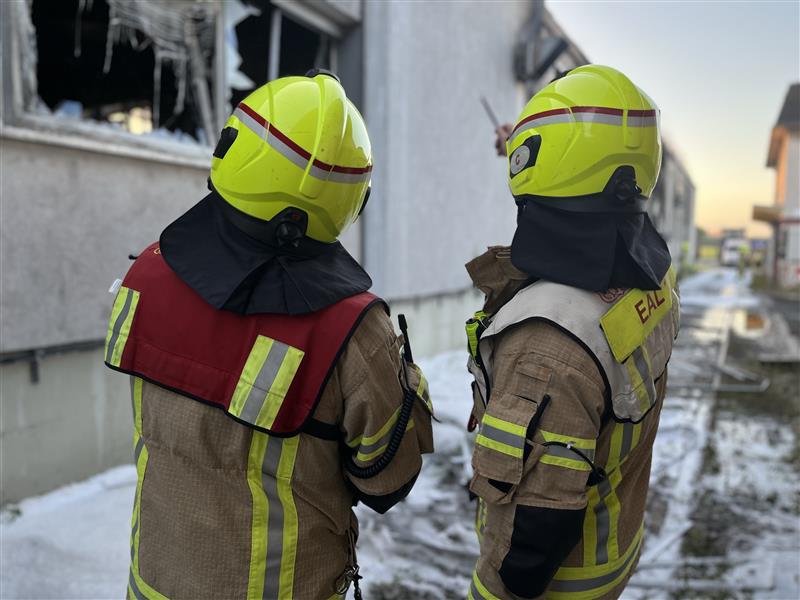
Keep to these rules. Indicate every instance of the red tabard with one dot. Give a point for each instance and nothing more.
(179, 341)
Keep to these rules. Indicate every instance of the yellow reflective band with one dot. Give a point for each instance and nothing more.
(255, 360)
(624, 439)
(472, 328)
(499, 446)
(590, 527)
(587, 583)
(579, 443)
(290, 530)
(635, 316)
(423, 391)
(273, 550)
(472, 337)
(506, 426)
(266, 376)
(367, 453)
(260, 512)
(480, 518)
(368, 440)
(478, 590)
(613, 508)
(137, 588)
(575, 464)
(279, 389)
(119, 324)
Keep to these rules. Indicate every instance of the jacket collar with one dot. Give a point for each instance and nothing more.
(494, 275)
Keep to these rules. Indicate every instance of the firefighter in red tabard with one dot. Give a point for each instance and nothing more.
(269, 390)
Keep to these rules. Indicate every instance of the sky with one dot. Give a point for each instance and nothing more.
(719, 72)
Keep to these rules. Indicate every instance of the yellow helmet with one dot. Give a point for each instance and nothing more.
(588, 142)
(296, 142)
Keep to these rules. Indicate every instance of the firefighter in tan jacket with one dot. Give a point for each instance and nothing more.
(570, 350)
(269, 390)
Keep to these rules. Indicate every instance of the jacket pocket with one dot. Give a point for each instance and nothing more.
(500, 447)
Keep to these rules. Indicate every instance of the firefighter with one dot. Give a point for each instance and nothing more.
(269, 394)
(570, 350)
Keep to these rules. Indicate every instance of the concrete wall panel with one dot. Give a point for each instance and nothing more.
(439, 191)
(69, 220)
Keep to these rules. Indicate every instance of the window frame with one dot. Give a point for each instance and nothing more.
(17, 122)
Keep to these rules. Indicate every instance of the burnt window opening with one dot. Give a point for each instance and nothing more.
(128, 64)
(299, 48)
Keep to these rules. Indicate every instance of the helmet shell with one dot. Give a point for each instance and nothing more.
(589, 122)
(300, 143)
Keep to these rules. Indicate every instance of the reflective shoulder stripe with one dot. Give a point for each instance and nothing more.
(372, 446)
(638, 369)
(586, 583)
(478, 591)
(264, 382)
(635, 316)
(119, 325)
(273, 550)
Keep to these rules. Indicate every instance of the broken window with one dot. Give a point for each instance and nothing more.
(139, 65)
(158, 67)
(273, 44)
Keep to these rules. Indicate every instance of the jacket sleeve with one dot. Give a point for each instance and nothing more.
(542, 523)
(373, 385)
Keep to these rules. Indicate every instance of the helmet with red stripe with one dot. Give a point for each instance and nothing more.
(588, 142)
(296, 142)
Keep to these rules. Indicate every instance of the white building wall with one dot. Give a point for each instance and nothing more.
(789, 265)
(439, 191)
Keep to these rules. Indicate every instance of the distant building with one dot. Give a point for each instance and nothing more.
(671, 209)
(784, 214)
(108, 114)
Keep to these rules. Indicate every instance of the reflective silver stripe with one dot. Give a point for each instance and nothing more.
(603, 119)
(552, 119)
(290, 154)
(370, 448)
(642, 121)
(562, 452)
(263, 383)
(644, 373)
(135, 588)
(475, 593)
(252, 124)
(583, 585)
(627, 440)
(269, 481)
(603, 521)
(133, 537)
(138, 449)
(123, 314)
(504, 437)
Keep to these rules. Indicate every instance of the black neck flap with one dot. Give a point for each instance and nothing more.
(245, 265)
(591, 251)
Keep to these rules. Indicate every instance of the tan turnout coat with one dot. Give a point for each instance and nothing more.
(223, 511)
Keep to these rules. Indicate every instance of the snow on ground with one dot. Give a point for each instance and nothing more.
(73, 542)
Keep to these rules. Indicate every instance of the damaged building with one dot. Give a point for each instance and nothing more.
(108, 115)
